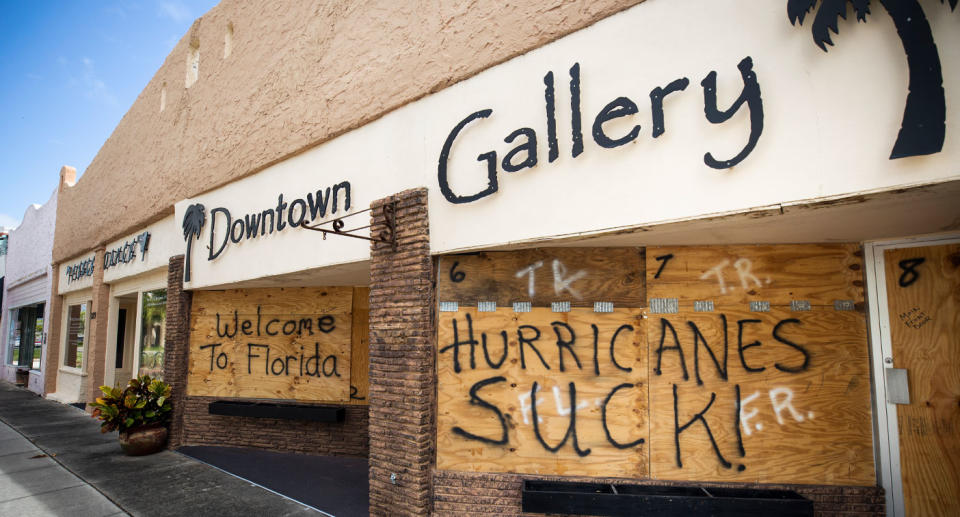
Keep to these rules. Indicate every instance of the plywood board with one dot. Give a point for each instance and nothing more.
(360, 356)
(580, 276)
(801, 376)
(924, 307)
(802, 384)
(494, 430)
(281, 343)
(735, 275)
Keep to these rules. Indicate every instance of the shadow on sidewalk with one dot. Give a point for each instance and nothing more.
(335, 485)
(160, 485)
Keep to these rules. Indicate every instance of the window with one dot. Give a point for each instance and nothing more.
(153, 318)
(37, 337)
(13, 336)
(26, 336)
(76, 332)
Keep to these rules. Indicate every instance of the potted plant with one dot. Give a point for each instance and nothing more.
(139, 412)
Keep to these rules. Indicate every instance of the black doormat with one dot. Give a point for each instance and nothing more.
(335, 485)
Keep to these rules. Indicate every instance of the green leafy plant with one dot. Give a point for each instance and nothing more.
(144, 401)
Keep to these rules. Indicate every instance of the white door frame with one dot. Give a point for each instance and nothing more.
(887, 447)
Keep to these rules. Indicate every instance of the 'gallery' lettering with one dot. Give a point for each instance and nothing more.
(524, 154)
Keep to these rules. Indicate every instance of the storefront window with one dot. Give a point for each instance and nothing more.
(13, 337)
(76, 331)
(37, 338)
(25, 336)
(153, 317)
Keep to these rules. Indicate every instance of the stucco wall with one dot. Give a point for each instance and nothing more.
(28, 274)
(298, 74)
(30, 244)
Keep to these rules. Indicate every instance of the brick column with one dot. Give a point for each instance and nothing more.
(51, 367)
(175, 346)
(96, 349)
(402, 359)
(68, 177)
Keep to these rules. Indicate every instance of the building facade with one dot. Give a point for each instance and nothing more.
(564, 245)
(26, 295)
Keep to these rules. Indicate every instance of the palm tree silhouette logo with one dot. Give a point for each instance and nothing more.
(923, 125)
(193, 221)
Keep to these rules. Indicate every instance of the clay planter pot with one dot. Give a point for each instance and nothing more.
(143, 440)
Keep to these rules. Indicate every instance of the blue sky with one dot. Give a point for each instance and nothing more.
(69, 71)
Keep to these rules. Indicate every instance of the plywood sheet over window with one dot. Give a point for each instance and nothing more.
(700, 385)
(507, 388)
(280, 343)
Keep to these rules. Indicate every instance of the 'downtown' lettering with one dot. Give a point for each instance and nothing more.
(225, 229)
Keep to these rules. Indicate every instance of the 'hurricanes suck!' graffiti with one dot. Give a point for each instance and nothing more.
(575, 370)
(730, 392)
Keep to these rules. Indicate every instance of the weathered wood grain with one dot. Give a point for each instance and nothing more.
(924, 307)
(593, 380)
(281, 343)
(802, 376)
(360, 344)
(278, 300)
(735, 275)
(581, 276)
(804, 417)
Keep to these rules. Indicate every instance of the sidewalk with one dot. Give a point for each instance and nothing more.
(55, 462)
(31, 483)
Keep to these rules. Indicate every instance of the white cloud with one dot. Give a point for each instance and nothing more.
(109, 38)
(116, 10)
(8, 222)
(172, 41)
(175, 10)
(94, 87)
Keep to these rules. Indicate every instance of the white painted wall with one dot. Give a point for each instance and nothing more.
(70, 386)
(830, 122)
(163, 243)
(28, 276)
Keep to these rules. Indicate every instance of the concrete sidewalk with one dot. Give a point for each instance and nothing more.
(55, 461)
(31, 483)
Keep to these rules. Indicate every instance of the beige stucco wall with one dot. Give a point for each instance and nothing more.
(298, 74)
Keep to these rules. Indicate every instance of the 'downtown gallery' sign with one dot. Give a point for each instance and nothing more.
(279, 343)
(922, 129)
(738, 369)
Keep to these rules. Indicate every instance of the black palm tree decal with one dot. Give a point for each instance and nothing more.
(193, 221)
(922, 129)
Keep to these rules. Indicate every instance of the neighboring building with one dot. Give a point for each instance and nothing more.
(3, 261)
(3, 267)
(26, 295)
(658, 244)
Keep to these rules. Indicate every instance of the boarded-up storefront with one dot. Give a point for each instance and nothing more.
(288, 364)
(743, 364)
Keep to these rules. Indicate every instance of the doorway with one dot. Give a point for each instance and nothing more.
(123, 339)
(915, 313)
